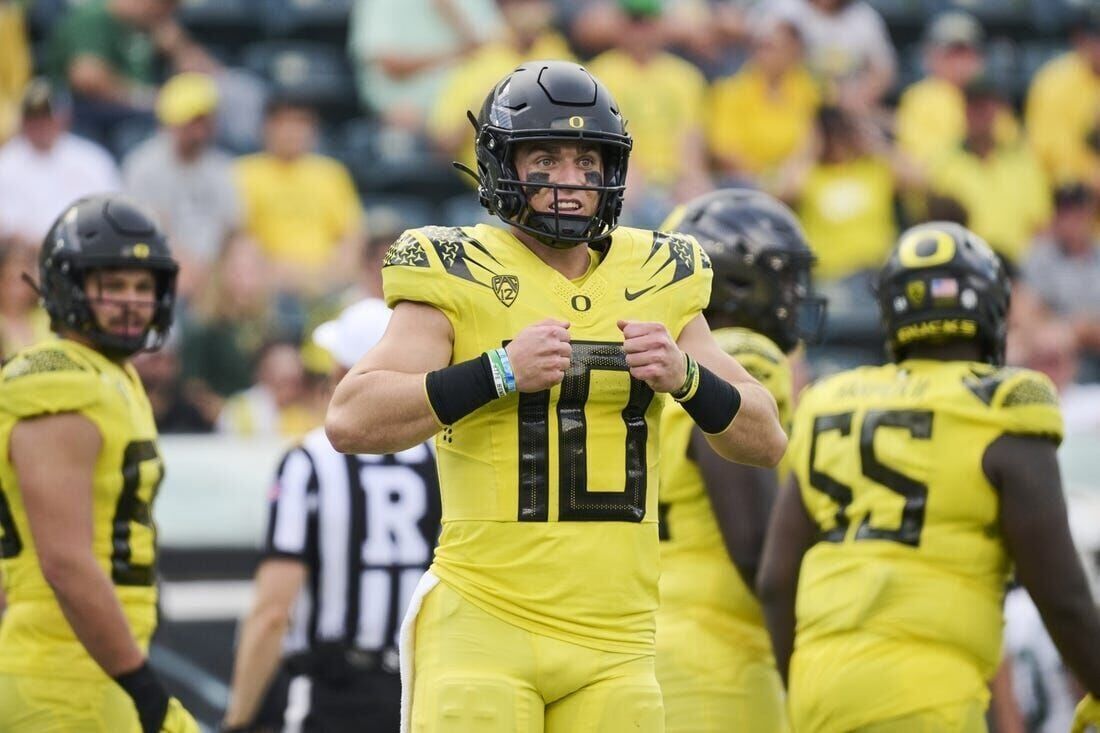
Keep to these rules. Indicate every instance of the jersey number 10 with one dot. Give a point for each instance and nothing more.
(575, 502)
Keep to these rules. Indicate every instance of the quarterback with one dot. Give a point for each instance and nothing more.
(714, 658)
(79, 471)
(917, 488)
(540, 357)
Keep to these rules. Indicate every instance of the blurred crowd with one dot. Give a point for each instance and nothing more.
(285, 144)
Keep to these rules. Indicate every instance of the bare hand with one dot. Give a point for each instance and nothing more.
(652, 355)
(540, 354)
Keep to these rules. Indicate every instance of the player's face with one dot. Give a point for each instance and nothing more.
(564, 164)
(122, 300)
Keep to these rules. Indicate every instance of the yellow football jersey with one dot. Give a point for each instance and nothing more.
(696, 570)
(63, 376)
(550, 498)
(899, 601)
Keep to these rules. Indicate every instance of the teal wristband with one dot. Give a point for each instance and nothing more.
(504, 379)
(509, 375)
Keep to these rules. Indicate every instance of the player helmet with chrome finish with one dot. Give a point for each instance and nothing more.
(105, 232)
(943, 283)
(761, 264)
(555, 101)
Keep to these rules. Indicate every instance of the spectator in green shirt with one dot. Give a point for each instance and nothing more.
(107, 52)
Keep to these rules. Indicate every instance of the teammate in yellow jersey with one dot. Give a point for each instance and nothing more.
(917, 487)
(539, 356)
(714, 658)
(79, 470)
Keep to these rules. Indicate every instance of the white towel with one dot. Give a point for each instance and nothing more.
(406, 644)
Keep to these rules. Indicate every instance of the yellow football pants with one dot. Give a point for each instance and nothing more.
(40, 705)
(474, 673)
(713, 683)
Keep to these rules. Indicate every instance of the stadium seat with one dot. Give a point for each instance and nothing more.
(314, 73)
(318, 20)
(900, 13)
(43, 15)
(411, 211)
(1011, 16)
(830, 359)
(394, 162)
(910, 65)
(1052, 17)
(221, 22)
(1034, 55)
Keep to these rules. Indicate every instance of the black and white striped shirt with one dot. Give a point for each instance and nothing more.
(366, 527)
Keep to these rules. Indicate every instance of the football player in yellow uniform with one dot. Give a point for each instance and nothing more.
(540, 356)
(79, 471)
(917, 487)
(714, 658)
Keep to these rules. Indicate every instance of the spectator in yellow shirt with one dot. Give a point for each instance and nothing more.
(662, 97)
(1063, 106)
(1001, 185)
(15, 65)
(931, 116)
(760, 116)
(301, 207)
(843, 187)
(528, 37)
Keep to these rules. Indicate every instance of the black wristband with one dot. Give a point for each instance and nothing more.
(456, 391)
(714, 404)
(148, 695)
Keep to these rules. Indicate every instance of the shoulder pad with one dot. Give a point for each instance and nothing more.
(40, 361)
(423, 264)
(46, 380)
(763, 360)
(1025, 401)
(673, 258)
(452, 249)
(739, 342)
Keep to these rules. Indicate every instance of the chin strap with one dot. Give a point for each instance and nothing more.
(463, 168)
(30, 281)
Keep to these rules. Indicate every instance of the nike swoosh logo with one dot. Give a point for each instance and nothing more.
(631, 296)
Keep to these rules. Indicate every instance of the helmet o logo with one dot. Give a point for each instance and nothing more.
(141, 251)
(576, 122)
(926, 249)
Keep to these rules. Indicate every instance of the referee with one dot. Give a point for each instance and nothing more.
(348, 539)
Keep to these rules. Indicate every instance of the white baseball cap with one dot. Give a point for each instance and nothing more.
(354, 332)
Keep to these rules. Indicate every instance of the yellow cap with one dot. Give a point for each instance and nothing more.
(185, 97)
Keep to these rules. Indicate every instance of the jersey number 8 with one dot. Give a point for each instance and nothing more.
(130, 508)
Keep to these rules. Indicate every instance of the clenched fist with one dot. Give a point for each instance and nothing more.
(540, 355)
(652, 355)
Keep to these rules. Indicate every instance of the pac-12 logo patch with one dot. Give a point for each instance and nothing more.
(506, 288)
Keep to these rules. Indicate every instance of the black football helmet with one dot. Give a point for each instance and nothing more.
(550, 101)
(105, 232)
(943, 283)
(761, 264)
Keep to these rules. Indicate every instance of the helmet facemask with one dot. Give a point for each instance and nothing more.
(79, 315)
(507, 196)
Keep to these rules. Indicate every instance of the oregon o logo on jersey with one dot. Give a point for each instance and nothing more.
(926, 248)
